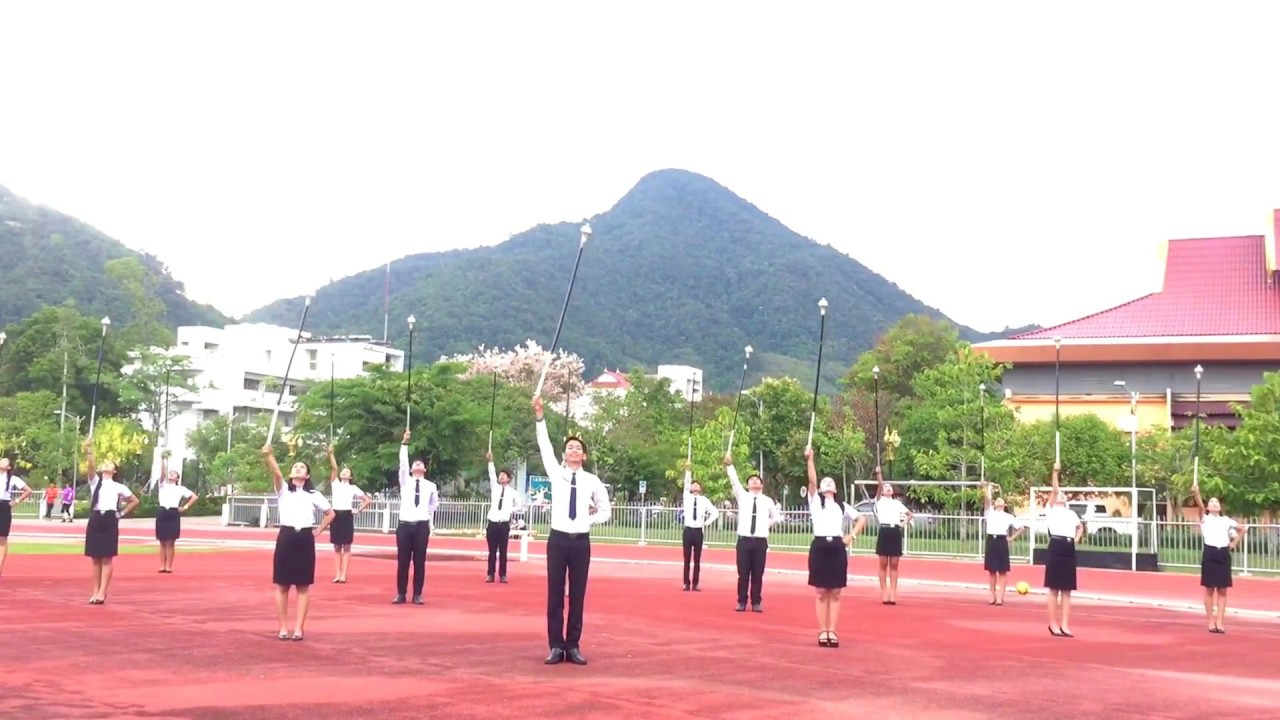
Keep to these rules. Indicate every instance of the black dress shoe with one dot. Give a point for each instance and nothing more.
(575, 656)
(756, 608)
(503, 579)
(555, 658)
(417, 599)
(695, 588)
(488, 578)
(742, 607)
(686, 587)
(399, 600)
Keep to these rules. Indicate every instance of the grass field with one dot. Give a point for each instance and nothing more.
(77, 548)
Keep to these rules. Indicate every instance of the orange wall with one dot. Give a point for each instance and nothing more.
(1153, 414)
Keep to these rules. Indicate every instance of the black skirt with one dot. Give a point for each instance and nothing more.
(6, 518)
(102, 536)
(1215, 568)
(889, 541)
(996, 559)
(168, 524)
(1060, 564)
(294, 563)
(342, 531)
(828, 563)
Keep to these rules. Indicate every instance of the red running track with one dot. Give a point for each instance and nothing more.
(1254, 596)
(201, 644)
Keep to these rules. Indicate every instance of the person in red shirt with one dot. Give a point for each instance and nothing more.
(50, 497)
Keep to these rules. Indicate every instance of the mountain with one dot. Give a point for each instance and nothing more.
(681, 271)
(51, 257)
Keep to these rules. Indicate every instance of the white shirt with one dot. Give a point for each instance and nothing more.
(10, 485)
(590, 491)
(828, 521)
(428, 497)
(889, 511)
(699, 512)
(504, 499)
(1216, 530)
(752, 505)
(345, 494)
(298, 508)
(1062, 522)
(171, 495)
(1000, 522)
(111, 495)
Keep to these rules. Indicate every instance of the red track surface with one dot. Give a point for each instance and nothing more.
(200, 644)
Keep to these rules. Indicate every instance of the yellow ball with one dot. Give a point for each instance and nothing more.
(1023, 588)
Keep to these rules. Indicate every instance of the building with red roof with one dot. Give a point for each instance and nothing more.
(1218, 307)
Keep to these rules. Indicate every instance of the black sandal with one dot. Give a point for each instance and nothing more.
(297, 637)
(832, 640)
(822, 639)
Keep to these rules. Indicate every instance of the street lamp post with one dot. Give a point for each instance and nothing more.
(63, 416)
(1133, 462)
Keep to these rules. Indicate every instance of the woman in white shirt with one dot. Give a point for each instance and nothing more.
(1221, 535)
(169, 496)
(102, 533)
(294, 564)
(1065, 530)
(892, 516)
(10, 485)
(996, 558)
(342, 531)
(828, 552)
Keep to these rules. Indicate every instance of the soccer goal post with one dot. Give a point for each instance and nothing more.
(1092, 506)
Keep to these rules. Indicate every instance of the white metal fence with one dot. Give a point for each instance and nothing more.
(1177, 544)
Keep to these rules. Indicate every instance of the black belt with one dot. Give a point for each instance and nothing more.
(1218, 547)
(828, 538)
(886, 525)
(168, 508)
(104, 512)
(1062, 537)
(997, 535)
(569, 535)
(4, 502)
(411, 522)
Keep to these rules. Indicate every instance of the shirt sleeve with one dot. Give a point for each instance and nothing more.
(549, 461)
(712, 513)
(493, 477)
(19, 484)
(357, 492)
(319, 501)
(186, 493)
(600, 497)
(734, 482)
(433, 499)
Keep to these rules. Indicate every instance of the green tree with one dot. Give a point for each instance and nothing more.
(1248, 462)
(945, 423)
(708, 456)
(637, 436)
(145, 327)
(29, 436)
(143, 390)
(914, 343)
(1094, 453)
(239, 462)
(59, 339)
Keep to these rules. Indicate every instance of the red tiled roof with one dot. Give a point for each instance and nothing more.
(1212, 286)
(611, 379)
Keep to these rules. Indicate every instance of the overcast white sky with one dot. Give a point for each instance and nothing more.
(993, 159)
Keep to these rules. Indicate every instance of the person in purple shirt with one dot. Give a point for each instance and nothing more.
(68, 497)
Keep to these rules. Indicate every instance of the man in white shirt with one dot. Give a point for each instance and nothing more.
(699, 513)
(9, 484)
(504, 500)
(578, 501)
(418, 501)
(755, 514)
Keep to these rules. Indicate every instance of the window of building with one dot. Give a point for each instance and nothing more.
(252, 384)
(313, 359)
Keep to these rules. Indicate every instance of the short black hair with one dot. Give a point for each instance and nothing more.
(580, 441)
(509, 474)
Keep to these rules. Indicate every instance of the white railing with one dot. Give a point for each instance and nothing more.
(1177, 544)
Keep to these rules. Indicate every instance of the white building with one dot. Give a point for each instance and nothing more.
(680, 377)
(235, 365)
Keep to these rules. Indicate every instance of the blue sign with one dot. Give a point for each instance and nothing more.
(538, 488)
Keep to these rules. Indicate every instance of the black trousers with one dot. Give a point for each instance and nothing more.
(411, 545)
(692, 550)
(751, 554)
(567, 554)
(498, 534)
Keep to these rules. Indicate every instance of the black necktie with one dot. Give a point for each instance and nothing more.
(97, 490)
(573, 496)
(502, 495)
(417, 490)
(693, 507)
(754, 503)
